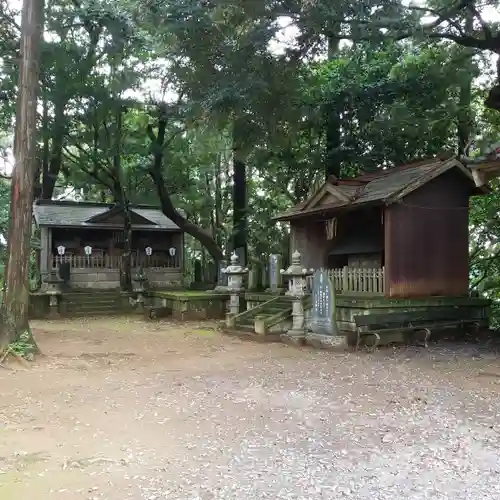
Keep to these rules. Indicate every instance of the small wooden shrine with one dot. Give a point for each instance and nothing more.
(401, 232)
(89, 238)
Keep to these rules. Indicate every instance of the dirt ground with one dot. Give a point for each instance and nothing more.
(118, 408)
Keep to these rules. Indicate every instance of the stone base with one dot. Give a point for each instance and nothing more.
(331, 342)
(278, 291)
(53, 312)
(230, 321)
(220, 289)
(259, 325)
(293, 338)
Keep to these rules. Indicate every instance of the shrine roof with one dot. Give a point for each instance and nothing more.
(381, 187)
(56, 213)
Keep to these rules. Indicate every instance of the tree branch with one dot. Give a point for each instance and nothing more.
(488, 34)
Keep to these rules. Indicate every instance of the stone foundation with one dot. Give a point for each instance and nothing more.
(330, 342)
(109, 279)
(190, 305)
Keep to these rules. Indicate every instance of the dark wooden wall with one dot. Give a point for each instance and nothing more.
(309, 238)
(427, 240)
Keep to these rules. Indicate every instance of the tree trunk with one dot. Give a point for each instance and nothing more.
(333, 161)
(464, 118)
(53, 168)
(16, 300)
(218, 200)
(126, 264)
(167, 207)
(239, 207)
(122, 198)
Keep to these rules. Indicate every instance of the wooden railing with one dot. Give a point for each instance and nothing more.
(114, 261)
(356, 280)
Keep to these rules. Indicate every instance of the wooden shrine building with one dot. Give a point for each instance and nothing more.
(89, 237)
(401, 232)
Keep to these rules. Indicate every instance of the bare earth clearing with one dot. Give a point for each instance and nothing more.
(122, 409)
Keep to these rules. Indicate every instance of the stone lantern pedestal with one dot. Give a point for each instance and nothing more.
(235, 274)
(52, 287)
(297, 286)
(139, 284)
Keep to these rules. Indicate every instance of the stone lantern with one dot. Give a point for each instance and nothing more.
(235, 273)
(297, 286)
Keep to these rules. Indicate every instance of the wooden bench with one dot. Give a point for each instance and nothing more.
(415, 322)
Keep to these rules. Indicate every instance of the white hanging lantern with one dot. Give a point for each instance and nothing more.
(61, 249)
(149, 251)
(172, 251)
(88, 250)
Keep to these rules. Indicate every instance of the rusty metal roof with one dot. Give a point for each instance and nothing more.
(78, 214)
(384, 186)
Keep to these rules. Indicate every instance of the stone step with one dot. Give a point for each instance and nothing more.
(78, 300)
(92, 298)
(86, 296)
(104, 303)
(107, 312)
(266, 311)
(111, 312)
(109, 303)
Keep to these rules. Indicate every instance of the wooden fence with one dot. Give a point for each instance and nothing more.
(356, 280)
(114, 261)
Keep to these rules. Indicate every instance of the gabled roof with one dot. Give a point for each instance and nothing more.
(105, 217)
(93, 215)
(381, 187)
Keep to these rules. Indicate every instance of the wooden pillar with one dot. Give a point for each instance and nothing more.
(178, 244)
(45, 250)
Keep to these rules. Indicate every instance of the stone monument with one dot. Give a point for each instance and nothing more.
(275, 277)
(324, 329)
(221, 277)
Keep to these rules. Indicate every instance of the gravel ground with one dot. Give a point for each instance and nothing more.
(119, 409)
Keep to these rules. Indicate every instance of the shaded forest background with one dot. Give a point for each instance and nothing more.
(234, 110)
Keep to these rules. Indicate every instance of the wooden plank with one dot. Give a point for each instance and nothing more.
(452, 314)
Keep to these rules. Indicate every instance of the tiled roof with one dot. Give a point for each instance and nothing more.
(382, 186)
(76, 214)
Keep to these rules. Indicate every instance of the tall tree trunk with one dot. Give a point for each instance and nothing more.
(16, 300)
(122, 198)
(239, 197)
(126, 261)
(218, 200)
(333, 160)
(43, 159)
(465, 118)
(53, 167)
(158, 145)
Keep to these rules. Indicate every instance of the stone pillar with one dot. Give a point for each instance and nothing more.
(297, 290)
(198, 272)
(253, 279)
(235, 274)
(265, 276)
(44, 251)
(275, 277)
(221, 277)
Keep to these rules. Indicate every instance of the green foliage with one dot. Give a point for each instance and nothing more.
(24, 347)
